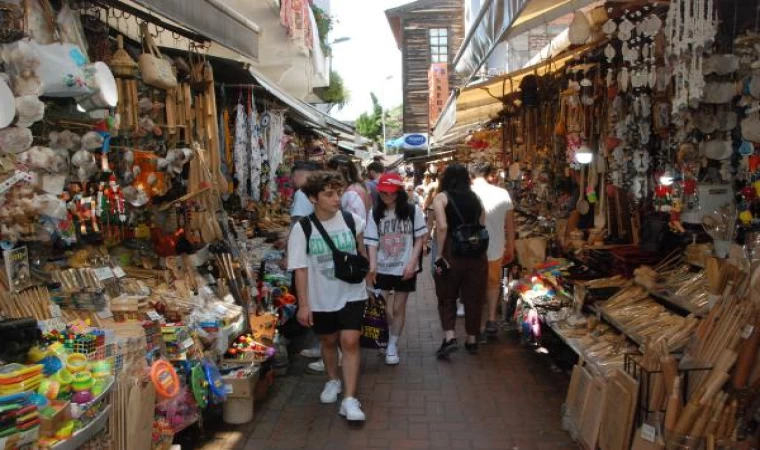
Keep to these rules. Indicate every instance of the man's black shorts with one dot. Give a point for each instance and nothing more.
(348, 318)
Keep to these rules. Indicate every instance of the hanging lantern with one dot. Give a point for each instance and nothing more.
(11, 22)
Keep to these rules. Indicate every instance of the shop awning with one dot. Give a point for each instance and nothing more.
(212, 18)
(313, 116)
(501, 20)
(479, 103)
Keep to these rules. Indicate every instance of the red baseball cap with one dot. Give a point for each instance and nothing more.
(390, 183)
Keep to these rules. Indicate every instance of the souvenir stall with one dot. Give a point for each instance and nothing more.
(134, 302)
(632, 158)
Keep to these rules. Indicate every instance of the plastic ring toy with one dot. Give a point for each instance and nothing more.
(82, 381)
(49, 389)
(64, 377)
(165, 379)
(76, 362)
(100, 369)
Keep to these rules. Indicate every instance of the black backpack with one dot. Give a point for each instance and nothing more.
(349, 268)
(468, 239)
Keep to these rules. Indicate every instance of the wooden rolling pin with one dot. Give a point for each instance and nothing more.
(747, 357)
(673, 410)
(690, 413)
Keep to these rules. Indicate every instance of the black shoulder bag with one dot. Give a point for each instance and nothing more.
(468, 239)
(349, 268)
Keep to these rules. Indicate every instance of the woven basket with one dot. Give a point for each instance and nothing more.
(122, 65)
(11, 22)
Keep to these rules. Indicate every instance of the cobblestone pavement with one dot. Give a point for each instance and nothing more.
(504, 398)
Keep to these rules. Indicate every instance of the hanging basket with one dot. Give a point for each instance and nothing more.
(11, 22)
(122, 65)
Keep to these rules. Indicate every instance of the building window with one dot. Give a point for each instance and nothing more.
(439, 45)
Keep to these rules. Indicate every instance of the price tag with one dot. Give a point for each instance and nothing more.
(187, 343)
(154, 316)
(55, 311)
(228, 389)
(103, 273)
(119, 272)
(747, 331)
(648, 433)
(105, 313)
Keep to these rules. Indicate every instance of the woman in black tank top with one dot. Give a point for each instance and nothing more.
(456, 276)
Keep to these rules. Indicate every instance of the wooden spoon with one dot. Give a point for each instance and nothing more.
(582, 206)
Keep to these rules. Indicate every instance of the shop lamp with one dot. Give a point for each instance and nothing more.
(584, 155)
(667, 178)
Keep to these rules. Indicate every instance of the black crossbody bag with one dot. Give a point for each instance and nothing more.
(350, 268)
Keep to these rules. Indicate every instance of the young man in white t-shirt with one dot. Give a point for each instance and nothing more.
(331, 307)
(501, 245)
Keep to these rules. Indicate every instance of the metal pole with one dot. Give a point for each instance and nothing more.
(382, 108)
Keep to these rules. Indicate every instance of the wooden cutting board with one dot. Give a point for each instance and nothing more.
(619, 410)
(592, 415)
(140, 413)
(577, 408)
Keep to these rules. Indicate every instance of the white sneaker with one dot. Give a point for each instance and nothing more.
(351, 409)
(311, 353)
(460, 310)
(317, 366)
(392, 360)
(330, 392)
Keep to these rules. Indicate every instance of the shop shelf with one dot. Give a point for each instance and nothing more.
(85, 434)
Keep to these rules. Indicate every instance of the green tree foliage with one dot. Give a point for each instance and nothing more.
(336, 94)
(370, 124)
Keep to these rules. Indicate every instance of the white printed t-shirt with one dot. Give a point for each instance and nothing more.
(326, 293)
(394, 242)
(301, 207)
(496, 202)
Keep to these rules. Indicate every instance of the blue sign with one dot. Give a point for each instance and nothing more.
(415, 140)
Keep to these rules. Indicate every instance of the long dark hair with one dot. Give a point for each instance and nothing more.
(403, 208)
(456, 180)
(346, 167)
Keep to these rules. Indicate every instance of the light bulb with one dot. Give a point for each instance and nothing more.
(666, 179)
(584, 155)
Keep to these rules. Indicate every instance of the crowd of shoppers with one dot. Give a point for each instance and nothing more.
(464, 221)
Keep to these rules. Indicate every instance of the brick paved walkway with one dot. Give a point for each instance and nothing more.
(504, 398)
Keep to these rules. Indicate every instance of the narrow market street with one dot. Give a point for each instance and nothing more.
(507, 397)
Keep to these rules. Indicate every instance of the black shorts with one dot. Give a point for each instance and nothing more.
(348, 318)
(395, 283)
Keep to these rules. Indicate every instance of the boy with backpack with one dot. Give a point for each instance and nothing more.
(327, 253)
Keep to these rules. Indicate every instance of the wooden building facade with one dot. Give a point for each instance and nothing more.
(426, 32)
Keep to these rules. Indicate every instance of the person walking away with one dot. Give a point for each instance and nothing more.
(412, 196)
(374, 170)
(331, 307)
(395, 234)
(299, 208)
(500, 224)
(461, 271)
(355, 197)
